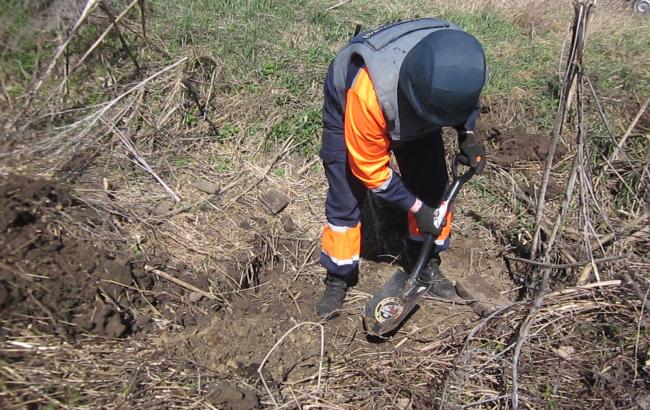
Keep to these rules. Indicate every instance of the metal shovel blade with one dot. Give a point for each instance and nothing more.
(394, 301)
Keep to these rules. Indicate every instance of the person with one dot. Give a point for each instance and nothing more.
(394, 89)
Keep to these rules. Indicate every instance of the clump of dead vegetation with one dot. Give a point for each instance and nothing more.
(151, 146)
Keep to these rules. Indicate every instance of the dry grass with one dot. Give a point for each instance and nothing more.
(587, 346)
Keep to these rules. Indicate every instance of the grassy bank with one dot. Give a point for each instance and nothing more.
(272, 55)
(275, 53)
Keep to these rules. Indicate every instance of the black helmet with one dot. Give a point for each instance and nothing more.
(440, 81)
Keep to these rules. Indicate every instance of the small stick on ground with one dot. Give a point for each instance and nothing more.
(111, 15)
(180, 283)
(286, 149)
(623, 139)
(339, 4)
(565, 265)
(320, 363)
(88, 9)
(630, 226)
(637, 289)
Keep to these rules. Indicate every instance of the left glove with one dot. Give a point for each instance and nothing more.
(424, 218)
(472, 151)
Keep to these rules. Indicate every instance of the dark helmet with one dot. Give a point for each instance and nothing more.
(440, 82)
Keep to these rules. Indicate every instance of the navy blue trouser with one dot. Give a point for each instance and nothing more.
(423, 170)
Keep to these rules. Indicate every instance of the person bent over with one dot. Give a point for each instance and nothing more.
(394, 89)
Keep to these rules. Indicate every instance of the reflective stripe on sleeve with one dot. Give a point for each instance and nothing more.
(385, 185)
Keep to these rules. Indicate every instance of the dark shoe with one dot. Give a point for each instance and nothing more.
(441, 287)
(330, 304)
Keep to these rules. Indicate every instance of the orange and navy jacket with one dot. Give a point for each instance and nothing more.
(357, 134)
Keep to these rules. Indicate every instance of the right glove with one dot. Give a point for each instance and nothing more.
(424, 220)
(472, 151)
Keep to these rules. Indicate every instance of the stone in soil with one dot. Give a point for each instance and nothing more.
(476, 288)
(227, 396)
(206, 186)
(288, 224)
(274, 201)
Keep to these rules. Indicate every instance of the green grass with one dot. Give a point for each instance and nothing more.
(273, 54)
(286, 46)
(19, 52)
(222, 163)
(182, 161)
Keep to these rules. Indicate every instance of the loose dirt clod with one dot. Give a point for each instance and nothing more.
(48, 272)
(518, 145)
(485, 298)
(206, 186)
(274, 201)
(229, 397)
(58, 277)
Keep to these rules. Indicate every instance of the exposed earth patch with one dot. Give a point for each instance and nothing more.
(61, 271)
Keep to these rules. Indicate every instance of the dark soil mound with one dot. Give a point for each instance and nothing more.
(51, 274)
(518, 145)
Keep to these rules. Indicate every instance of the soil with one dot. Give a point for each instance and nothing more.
(515, 145)
(57, 276)
(236, 341)
(227, 396)
(51, 277)
(527, 152)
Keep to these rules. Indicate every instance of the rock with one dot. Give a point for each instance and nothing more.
(229, 397)
(114, 326)
(403, 403)
(565, 352)
(486, 298)
(274, 201)
(208, 205)
(162, 208)
(195, 297)
(206, 186)
(141, 321)
(288, 224)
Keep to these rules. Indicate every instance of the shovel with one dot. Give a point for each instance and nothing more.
(395, 300)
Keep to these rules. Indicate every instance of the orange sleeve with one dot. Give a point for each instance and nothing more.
(365, 133)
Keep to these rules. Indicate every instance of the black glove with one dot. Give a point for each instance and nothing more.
(424, 219)
(472, 151)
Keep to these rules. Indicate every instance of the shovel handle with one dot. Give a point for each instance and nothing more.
(450, 196)
(464, 176)
(423, 258)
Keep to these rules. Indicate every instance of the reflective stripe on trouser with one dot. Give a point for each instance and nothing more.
(443, 241)
(340, 248)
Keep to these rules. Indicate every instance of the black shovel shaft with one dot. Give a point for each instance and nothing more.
(450, 197)
(396, 299)
(423, 258)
